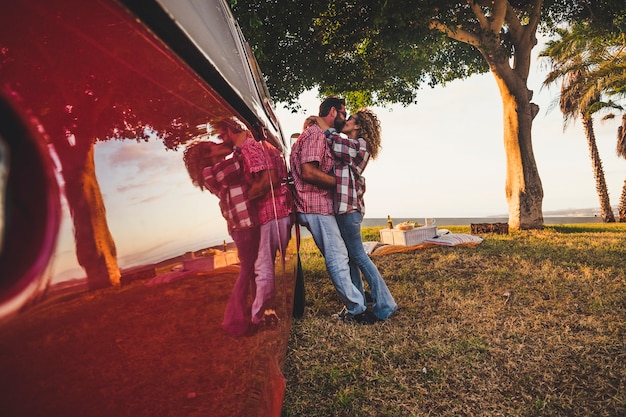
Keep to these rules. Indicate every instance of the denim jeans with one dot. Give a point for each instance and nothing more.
(350, 227)
(237, 314)
(328, 239)
(275, 236)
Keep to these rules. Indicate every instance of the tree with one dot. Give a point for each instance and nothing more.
(575, 57)
(621, 151)
(590, 62)
(618, 87)
(380, 52)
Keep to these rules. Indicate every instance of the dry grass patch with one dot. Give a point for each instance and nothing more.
(525, 324)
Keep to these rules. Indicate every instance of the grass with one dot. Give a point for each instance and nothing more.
(525, 324)
(531, 323)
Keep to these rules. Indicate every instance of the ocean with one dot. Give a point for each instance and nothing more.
(442, 222)
(461, 221)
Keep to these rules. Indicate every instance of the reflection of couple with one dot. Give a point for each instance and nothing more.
(327, 169)
(246, 176)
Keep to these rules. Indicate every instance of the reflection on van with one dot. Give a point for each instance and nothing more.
(250, 180)
(147, 263)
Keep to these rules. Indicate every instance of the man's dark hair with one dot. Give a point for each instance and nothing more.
(329, 103)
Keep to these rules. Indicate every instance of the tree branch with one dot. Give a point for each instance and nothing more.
(515, 27)
(499, 11)
(523, 36)
(478, 12)
(535, 16)
(459, 35)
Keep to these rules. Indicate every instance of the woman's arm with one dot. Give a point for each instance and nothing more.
(316, 120)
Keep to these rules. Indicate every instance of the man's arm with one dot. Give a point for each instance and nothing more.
(311, 173)
(261, 183)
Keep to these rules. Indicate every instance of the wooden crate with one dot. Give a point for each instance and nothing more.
(498, 228)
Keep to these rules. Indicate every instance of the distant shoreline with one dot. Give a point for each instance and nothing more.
(461, 221)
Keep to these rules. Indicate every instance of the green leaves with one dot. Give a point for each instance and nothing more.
(383, 52)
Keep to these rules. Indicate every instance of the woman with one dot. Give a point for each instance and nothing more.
(352, 154)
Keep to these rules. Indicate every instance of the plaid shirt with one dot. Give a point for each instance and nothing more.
(351, 157)
(311, 146)
(260, 157)
(226, 180)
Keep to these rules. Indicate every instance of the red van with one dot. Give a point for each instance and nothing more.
(121, 263)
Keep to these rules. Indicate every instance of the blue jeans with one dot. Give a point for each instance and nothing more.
(275, 236)
(328, 239)
(237, 312)
(350, 227)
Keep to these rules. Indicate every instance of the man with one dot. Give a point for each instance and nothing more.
(311, 161)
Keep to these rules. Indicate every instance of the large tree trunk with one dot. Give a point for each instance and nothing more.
(524, 192)
(95, 248)
(598, 172)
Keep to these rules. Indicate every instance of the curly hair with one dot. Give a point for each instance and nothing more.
(225, 124)
(369, 130)
(195, 161)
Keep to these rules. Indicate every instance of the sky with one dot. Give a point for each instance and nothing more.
(444, 156)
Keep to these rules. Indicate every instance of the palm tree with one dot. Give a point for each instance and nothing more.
(573, 58)
(621, 151)
(610, 78)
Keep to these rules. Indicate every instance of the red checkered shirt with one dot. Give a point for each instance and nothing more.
(227, 180)
(351, 157)
(260, 157)
(311, 146)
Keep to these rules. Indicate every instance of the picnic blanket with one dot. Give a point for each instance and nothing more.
(449, 239)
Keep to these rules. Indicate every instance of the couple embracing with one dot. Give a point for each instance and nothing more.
(327, 170)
